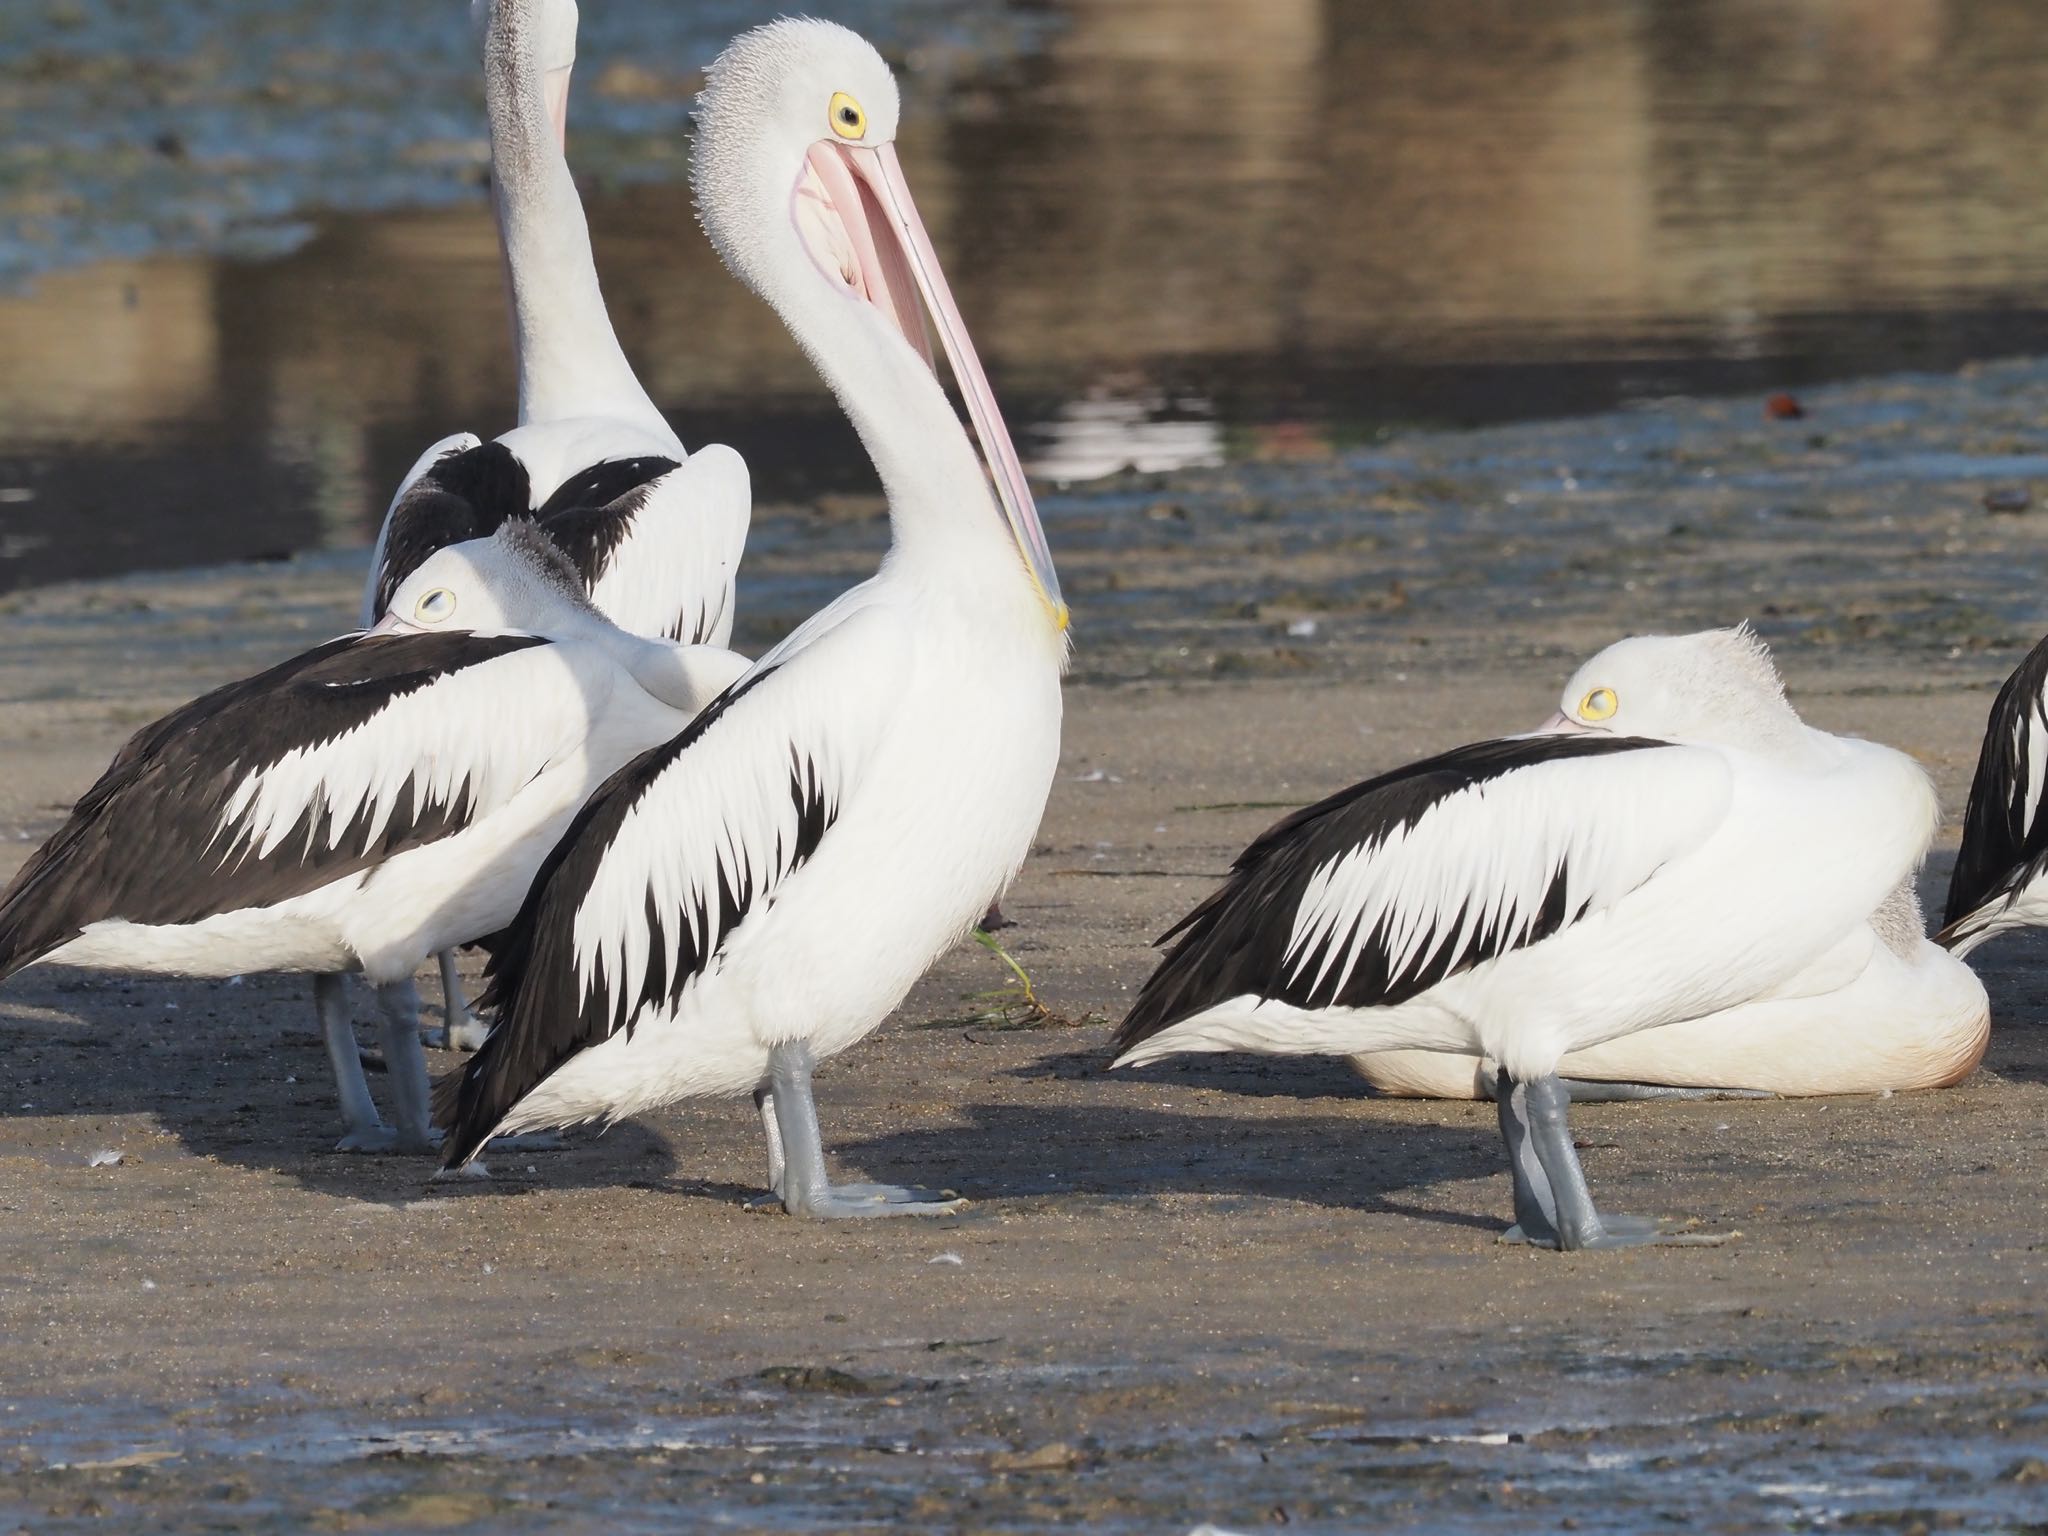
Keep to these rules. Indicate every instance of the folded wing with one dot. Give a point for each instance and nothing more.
(680, 850)
(319, 768)
(1378, 893)
(2005, 834)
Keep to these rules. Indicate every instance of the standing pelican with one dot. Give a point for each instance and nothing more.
(760, 893)
(1677, 843)
(362, 805)
(656, 534)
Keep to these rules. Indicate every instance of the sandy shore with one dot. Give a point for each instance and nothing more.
(1239, 1291)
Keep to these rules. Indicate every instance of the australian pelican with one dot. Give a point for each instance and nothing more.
(760, 892)
(1676, 842)
(656, 534)
(363, 805)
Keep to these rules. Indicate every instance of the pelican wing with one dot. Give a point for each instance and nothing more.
(658, 543)
(678, 852)
(317, 769)
(2005, 834)
(460, 489)
(1380, 892)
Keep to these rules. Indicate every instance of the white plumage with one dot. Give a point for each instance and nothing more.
(1679, 845)
(759, 893)
(656, 532)
(384, 796)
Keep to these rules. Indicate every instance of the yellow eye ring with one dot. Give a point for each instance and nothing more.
(1600, 704)
(435, 607)
(848, 120)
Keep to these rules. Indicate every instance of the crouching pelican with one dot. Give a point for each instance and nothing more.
(1676, 843)
(2000, 881)
(1886, 1010)
(363, 805)
(655, 533)
(760, 892)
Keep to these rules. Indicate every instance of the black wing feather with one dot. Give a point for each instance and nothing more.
(142, 844)
(544, 1015)
(1236, 941)
(2002, 851)
(466, 495)
(591, 514)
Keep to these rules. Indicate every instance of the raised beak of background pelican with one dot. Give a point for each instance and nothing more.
(554, 90)
(882, 252)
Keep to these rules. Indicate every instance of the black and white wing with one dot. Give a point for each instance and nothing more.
(2005, 834)
(679, 851)
(658, 543)
(319, 768)
(1380, 892)
(461, 488)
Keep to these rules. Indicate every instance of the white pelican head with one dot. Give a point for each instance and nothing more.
(800, 190)
(543, 29)
(514, 580)
(1719, 686)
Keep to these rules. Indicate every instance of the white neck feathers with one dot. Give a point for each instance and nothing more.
(570, 361)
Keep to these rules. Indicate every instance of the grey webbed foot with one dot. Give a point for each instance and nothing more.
(378, 1139)
(796, 1155)
(1553, 1206)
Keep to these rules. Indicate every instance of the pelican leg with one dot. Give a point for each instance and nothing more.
(461, 1030)
(790, 1116)
(398, 1002)
(764, 1101)
(366, 1133)
(1576, 1223)
(1535, 1205)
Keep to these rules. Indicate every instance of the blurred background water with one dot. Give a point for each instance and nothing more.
(247, 266)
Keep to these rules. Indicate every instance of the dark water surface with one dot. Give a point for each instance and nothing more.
(1184, 231)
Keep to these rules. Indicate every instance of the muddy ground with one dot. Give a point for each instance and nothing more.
(1232, 1291)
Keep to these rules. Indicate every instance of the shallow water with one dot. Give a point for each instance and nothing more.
(883, 1450)
(1184, 231)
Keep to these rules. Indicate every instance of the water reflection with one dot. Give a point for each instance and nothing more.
(1314, 217)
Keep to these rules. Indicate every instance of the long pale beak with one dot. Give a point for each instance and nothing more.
(1562, 724)
(391, 624)
(554, 90)
(894, 255)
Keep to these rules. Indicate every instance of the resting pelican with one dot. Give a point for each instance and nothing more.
(759, 893)
(367, 803)
(2000, 881)
(657, 534)
(1886, 1010)
(1677, 843)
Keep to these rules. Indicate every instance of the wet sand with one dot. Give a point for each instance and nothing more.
(1234, 1290)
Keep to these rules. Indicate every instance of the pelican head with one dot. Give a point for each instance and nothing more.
(1719, 686)
(799, 187)
(545, 30)
(514, 580)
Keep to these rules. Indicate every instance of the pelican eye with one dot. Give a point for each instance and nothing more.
(1600, 704)
(435, 607)
(848, 120)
